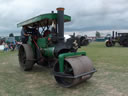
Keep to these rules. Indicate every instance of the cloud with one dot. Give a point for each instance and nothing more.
(86, 15)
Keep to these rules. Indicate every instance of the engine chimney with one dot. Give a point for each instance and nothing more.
(113, 34)
(116, 34)
(60, 22)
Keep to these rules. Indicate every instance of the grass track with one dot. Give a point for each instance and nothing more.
(110, 80)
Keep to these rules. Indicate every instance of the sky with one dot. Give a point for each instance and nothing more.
(87, 16)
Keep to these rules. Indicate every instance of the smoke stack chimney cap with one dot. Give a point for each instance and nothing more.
(60, 9)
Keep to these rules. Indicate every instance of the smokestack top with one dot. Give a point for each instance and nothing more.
(52, 12)
(60, 9)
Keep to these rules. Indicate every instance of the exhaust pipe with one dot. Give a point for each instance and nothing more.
(116, 34)
(113, 34)
(60, 22)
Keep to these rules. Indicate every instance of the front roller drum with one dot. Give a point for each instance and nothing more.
(76, 70)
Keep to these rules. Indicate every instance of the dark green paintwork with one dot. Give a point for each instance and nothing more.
(64, 55)
(49, 52)
(42, 42)
(41, 19)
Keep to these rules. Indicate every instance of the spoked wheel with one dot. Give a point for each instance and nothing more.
(109, 44)
(73, 67)
(26, 57)
(66, 82)
(85, 42)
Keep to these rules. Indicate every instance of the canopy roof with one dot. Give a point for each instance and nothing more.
(43, 20)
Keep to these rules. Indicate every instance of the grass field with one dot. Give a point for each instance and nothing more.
(110, 80)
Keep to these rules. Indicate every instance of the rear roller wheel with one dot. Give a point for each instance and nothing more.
(109, 44)
(74, 66)
(125, 43)
(26, 57)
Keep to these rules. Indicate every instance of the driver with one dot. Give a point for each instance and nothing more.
(24, 35)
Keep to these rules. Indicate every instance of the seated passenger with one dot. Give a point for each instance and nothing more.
(46, 33)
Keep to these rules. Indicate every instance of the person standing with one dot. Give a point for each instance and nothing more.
(6, 47)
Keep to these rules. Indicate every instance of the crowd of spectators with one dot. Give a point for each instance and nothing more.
(10, 46)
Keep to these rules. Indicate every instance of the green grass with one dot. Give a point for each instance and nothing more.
(111, 78)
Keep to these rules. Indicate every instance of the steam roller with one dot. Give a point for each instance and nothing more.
(45, 45)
